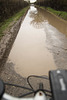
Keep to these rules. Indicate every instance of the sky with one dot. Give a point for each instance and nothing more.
(31, 1)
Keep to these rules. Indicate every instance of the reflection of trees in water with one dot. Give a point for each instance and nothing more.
(38, 19)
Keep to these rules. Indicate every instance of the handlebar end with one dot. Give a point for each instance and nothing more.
(2, 88)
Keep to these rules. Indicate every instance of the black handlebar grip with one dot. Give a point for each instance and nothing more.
(2, 88)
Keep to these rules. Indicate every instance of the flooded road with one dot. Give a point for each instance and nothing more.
(31, 52)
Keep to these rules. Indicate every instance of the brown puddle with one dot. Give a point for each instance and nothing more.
(29, 53)
(59, 24)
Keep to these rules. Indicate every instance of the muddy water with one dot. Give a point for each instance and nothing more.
(29, 54)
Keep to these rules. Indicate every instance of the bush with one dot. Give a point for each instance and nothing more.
(10, 7)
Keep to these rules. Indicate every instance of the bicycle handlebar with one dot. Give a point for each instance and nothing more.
(39, 96)
(58, 84)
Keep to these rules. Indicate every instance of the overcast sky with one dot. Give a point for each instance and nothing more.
(32, 1)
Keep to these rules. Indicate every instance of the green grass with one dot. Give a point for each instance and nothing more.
(4, 25)
(61, 14)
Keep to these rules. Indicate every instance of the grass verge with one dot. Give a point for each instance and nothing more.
(61, 14)
(6, 24)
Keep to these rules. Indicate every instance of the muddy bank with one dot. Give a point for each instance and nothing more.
(57, 44)
(8, 39)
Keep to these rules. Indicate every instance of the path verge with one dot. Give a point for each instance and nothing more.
(10, 29)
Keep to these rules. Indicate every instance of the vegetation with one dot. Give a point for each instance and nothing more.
(59, 4)
(9, 7)
(55, 4)
(58, 7)
(61, 14)
(4, 25)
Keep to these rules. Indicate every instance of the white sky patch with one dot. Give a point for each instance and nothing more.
(32, 1)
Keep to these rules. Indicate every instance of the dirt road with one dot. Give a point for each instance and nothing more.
(40, 46)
